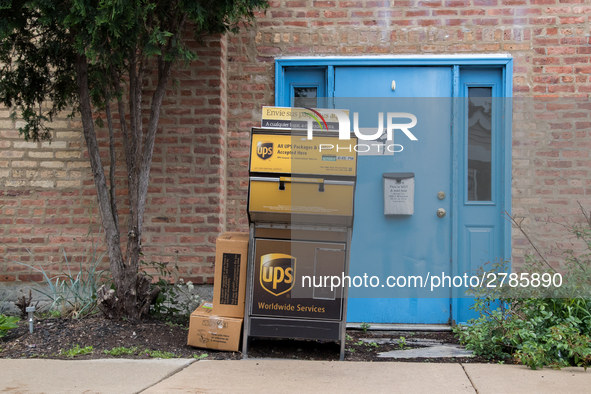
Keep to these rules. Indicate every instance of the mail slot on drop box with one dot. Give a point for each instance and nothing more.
(399, 193)
(303, 200)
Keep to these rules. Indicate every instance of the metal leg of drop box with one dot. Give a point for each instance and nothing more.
(248, 298)
(345, 296)
(245, 345)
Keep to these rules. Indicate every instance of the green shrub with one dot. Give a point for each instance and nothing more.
(534, 331)
(175, 298)
(536, 326)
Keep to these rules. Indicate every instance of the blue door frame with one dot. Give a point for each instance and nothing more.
(504, 62)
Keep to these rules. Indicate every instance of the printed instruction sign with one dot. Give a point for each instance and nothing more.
(279, 153)
(399, 191)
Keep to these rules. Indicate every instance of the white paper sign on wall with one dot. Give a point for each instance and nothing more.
(399, 193)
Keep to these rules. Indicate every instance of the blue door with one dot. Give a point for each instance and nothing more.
(401, 245)
(465, 180)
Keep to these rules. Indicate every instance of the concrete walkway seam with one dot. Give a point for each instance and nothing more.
(179, 369)
(470, 379)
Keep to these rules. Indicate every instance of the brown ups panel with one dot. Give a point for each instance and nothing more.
(290, 279)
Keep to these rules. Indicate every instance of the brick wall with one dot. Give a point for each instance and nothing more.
(47, 195)
(548, 39)
(199, 177)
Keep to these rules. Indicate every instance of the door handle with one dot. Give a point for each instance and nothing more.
(441, 212)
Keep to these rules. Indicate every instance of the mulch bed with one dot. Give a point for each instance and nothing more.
(52, 336)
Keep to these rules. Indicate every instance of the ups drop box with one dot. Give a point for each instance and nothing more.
(229, 286)
(210, 331)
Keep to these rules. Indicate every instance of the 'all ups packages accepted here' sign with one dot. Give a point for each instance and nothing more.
(281, 153)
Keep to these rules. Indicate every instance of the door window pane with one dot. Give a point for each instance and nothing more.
(304, 97)
(479, 144)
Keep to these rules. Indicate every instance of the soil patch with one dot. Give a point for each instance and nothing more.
(52, 337)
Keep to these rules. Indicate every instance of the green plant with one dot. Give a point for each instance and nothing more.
(372, 344)
(536, 326)
(77, 351)
(73, 294)
(348, 337)
(175, 298)
(358, 343)
(172, 325)
(402, 343)
(7, 323)
(55, 314)
(200, 356)
(118, 351)
(365, 326)
(159, 354)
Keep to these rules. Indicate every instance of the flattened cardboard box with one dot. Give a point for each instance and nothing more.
(214, 332)
(229, 288)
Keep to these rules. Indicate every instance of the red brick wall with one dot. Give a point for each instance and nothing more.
(548, 39)
(199, 178)
(47, 195)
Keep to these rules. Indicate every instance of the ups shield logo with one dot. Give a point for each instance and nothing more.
(277, 273)
(264, 149)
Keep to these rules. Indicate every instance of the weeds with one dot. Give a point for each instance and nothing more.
(77, 351)
(159, 354)
(118, 351)
(200, 356)
(365, 327)
(402, 343)
(172, 325)
(54, 314)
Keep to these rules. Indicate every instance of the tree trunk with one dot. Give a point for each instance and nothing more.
(133, 294)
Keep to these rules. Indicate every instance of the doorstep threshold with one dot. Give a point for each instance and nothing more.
(400, 327)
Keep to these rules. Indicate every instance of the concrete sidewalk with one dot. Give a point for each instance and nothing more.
(85, 376)
(285, 376)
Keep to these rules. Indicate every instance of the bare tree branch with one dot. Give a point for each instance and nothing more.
(518, 225)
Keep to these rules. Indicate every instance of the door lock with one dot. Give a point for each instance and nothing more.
(441, 212)
(441, 195)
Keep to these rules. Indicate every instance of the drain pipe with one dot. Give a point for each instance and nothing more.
(30, 310)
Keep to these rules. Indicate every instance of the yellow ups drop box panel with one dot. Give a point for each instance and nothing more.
(302, 200)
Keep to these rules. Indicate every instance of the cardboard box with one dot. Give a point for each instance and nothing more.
(214, 332)
(229, 285)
